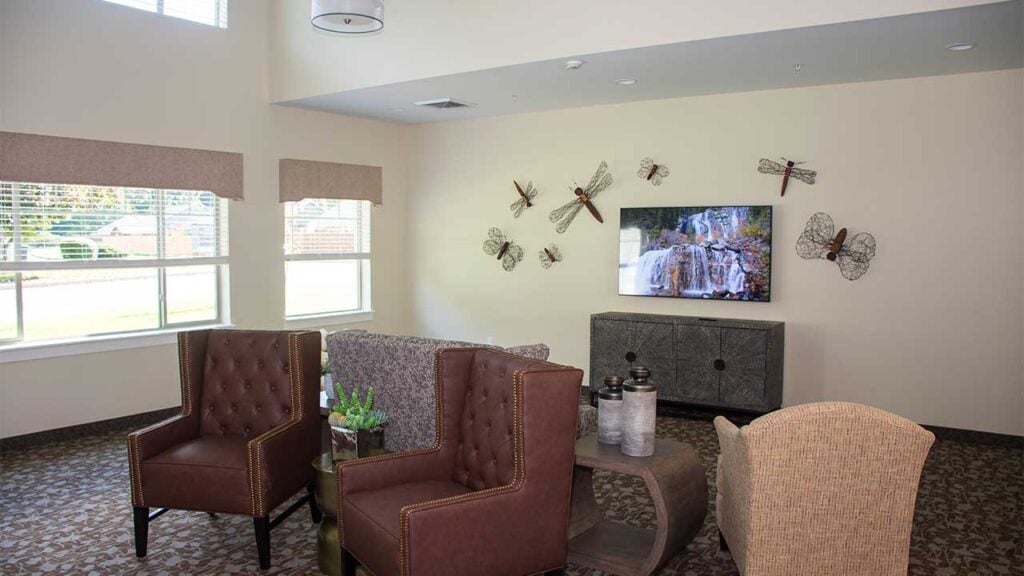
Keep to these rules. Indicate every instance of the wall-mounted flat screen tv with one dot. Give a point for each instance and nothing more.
(709, 252)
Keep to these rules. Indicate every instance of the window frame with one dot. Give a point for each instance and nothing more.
(364, 309)
(14, 348)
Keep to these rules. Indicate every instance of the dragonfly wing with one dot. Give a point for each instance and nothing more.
(555, 252)
(816, 238)
(517, 207)
(850, 267)
(645, 168)
(597, 175)
(861, 247)
(604, 183)
(663, 171)
(656, 179)
(643, 172)
(491, 247)
(557, 213)
(804, 175)
(766, 166)
(569, 217)
(496, 235)
(544, 260)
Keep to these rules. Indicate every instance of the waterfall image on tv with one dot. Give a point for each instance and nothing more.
(712, 252)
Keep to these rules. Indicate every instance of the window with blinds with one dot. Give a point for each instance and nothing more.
(209, 12)
(79, 261)
(327, 257)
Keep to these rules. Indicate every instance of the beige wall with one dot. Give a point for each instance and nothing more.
(91, 69)
(427, 39)
(931, 167)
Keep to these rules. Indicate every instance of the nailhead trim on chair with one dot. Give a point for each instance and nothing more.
(255, 446)
(516, 483)
(134, 453)
(438, 423)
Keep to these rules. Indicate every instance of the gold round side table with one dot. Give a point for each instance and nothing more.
(328, 549)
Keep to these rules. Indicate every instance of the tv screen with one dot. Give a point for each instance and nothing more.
(710, 252)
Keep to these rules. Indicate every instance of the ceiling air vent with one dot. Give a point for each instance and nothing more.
(443, 103)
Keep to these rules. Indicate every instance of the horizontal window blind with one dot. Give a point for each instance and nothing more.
(327, 229)
(209, 12)
(63, 227)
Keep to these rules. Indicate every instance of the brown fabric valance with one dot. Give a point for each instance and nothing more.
(307, 179)
(55, 160)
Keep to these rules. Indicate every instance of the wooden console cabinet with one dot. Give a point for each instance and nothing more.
(711, 362)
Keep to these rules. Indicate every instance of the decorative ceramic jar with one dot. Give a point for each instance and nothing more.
(639, 409)
(609, 411)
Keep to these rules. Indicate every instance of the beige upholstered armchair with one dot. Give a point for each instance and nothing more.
(825, 489)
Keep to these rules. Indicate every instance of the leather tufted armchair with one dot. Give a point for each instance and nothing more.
(491, 496)
(248, 429)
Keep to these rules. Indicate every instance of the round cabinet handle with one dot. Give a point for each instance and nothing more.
(630, 356)
(719, 364)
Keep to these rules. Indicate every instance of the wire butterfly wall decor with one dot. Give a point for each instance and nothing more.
(819, 240)
(509, 253)
(565, 214)
(653, 173)
(766, 166)
(549, 256)
(525, 199)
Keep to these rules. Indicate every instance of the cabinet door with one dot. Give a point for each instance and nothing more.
(697, 348)
(612, 340)
(744, 353)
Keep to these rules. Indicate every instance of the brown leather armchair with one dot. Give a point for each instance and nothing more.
(492, 494)
(248, 429)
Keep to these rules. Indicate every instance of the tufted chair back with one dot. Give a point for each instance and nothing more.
(246, 389)
(484, 458)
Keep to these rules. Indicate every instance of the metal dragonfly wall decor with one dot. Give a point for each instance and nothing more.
(653, 173)
(565, 214)
(525, 198)
(819, 240)
(497, 245)
(549, 256)
(766, 166)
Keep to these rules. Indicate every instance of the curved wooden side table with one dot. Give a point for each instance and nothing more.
(678, 486)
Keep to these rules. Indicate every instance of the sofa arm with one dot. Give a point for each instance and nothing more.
(279, 462)
(152, 440)
(378, 472)
(475, 534)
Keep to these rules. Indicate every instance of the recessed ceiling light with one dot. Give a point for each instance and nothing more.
(960, 46)
(625, 81)
(396, 109)
(573, 64)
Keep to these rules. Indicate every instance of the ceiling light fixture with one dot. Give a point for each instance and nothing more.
(960, 46)
(573, 64)
(625, 81)
(348, 16)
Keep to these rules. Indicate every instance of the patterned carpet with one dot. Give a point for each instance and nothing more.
(65, 509)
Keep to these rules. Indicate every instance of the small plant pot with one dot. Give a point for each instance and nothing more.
(350, 444)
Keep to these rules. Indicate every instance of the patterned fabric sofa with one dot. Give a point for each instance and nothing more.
(401, 371)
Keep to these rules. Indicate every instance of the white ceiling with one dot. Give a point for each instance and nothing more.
(879, 49)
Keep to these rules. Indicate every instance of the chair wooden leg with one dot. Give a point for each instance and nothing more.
(314, 511)
(262, 526)
(722, 544)
(140, 514)
(348, 563)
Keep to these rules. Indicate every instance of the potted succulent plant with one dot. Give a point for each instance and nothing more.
(357, 430)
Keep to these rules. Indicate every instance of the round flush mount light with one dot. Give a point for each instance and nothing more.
(625, 81)
(960, 46)
(348, 16)
(573, 64)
